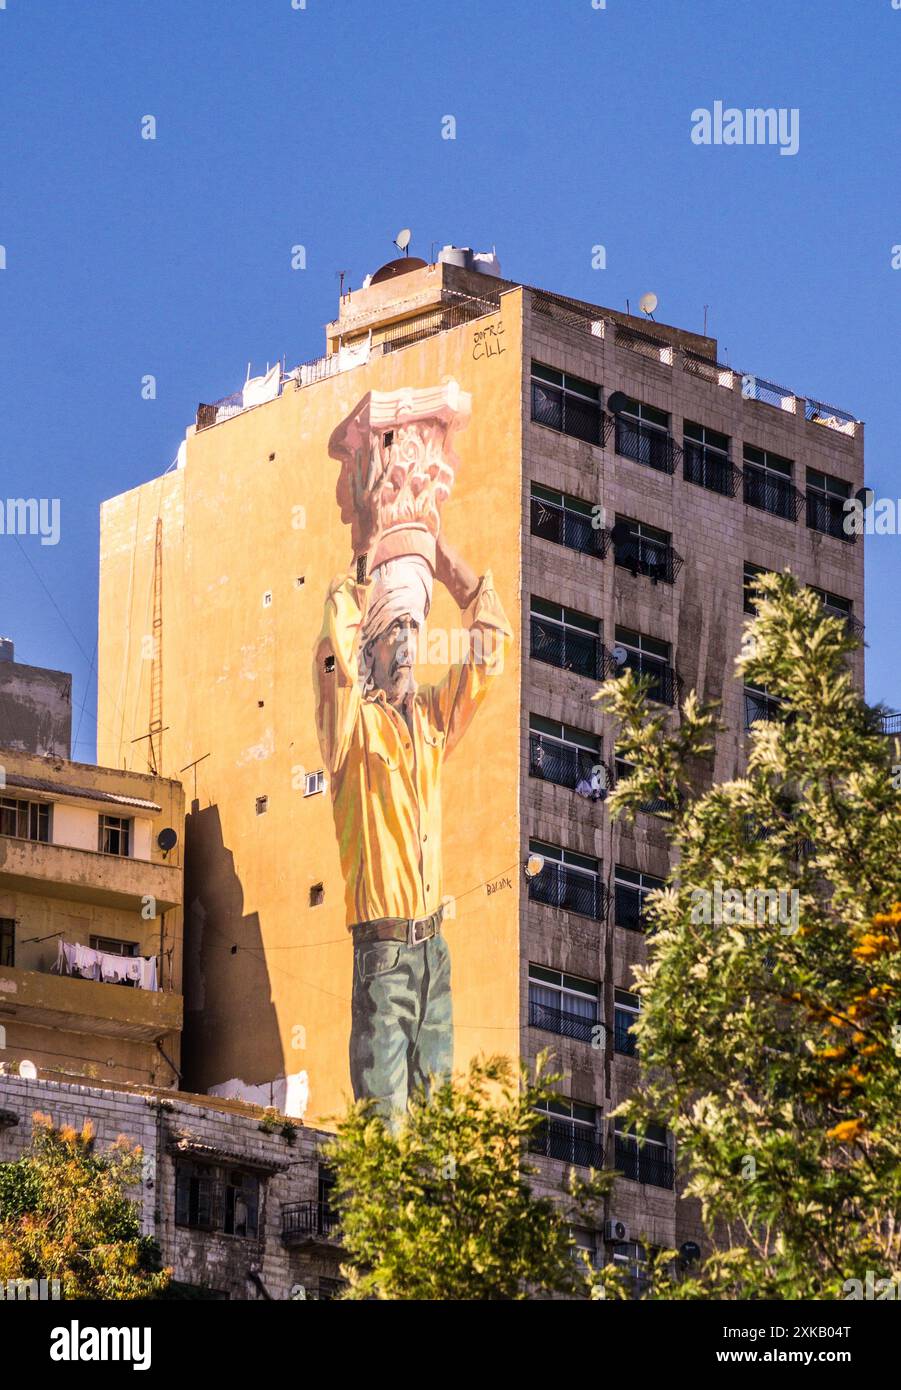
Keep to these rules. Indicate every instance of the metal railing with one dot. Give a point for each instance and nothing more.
(708, 468)
(664, 686)
(451, 315)
(656, 349)
(628, 907)
(639, 1163)
(568, 648)
(563, 764)
(572, 890)
(646, 444)
(890, 724)
(570, 414)
(563, 1022)
(827, 513)
(760, 708)
(307, 1220)
(573, 1143)
(771, 493)
(658, 560)
(576, 531)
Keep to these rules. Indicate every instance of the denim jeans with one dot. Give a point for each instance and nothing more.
(401, 1026)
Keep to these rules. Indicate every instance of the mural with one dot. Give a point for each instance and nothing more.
(384, 738)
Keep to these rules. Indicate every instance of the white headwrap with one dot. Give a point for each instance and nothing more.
(398, 586)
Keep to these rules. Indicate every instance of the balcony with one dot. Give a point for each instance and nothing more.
(29, 866)
(664, 683)
(573, 890)
(760, 707)
(566, 527)
(569, 649)
(563, 1022)
(642, 555)
(86, 1006)
(709, 468)
(642, 1163)
(309, 1223)
(645, 444)
(826, 513)
(572, 1143)
(628, 908)
(566, 766)
(890, 724)
(771, 493)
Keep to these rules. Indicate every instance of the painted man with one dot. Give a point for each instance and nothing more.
(384, 740)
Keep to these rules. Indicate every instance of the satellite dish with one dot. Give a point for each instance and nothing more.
(616, 402)
(28, 1071)
(865, 496)
(534, 865)
(167, 839)
(403, 239)
(647, 304)
(619, 655)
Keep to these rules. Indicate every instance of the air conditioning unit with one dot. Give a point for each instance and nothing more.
(616, 1231)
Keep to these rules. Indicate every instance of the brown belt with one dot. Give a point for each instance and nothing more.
(411, 931)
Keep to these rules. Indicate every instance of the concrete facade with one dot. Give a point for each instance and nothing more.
(35, 707)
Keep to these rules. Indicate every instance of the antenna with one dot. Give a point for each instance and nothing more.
(403, 239)
(647, 304)
(706, 307)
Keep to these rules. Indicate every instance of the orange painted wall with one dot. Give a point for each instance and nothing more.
(236, 524)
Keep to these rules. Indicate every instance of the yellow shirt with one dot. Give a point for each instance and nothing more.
(386, 781)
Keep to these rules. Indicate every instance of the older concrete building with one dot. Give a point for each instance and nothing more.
(236, 1199)
(623, 485)
(35, 706)
(90, 901)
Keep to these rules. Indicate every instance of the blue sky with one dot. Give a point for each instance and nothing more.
(322, 126)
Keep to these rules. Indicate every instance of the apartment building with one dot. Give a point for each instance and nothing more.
(615, 486)
(90, 921)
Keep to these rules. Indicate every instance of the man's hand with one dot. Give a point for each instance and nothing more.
(459, 579)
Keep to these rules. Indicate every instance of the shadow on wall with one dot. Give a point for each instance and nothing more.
(231, 1046)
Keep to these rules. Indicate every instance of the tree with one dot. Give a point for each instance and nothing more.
(439, 1206)
(770, 1027)
(65, 1214)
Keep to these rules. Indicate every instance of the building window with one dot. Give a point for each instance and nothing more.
(826, 497)
(567, 520)
(622, 769)
(112, 947)
(566, 756)
(760, 705)
(706, 461)
(568, 881)
(838, 607)
(317, 895)
(631, 1258)
(647, 656)
(569, 1131)
(567, 403)
(314, 782)
(646, 550)
(630, 889)
(242, 1199)
(26, 820)
(213, 1198)
(329, 1289)
(626, 1008)
(7, 942)
(752, 572)
(565, 638)
(642, 434)
(114, 835)
(768, 483)
(645, 1159)
(563, 1004)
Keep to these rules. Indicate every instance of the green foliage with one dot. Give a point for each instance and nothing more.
(770, 1038)
(65, 1214)
(440, 1207)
